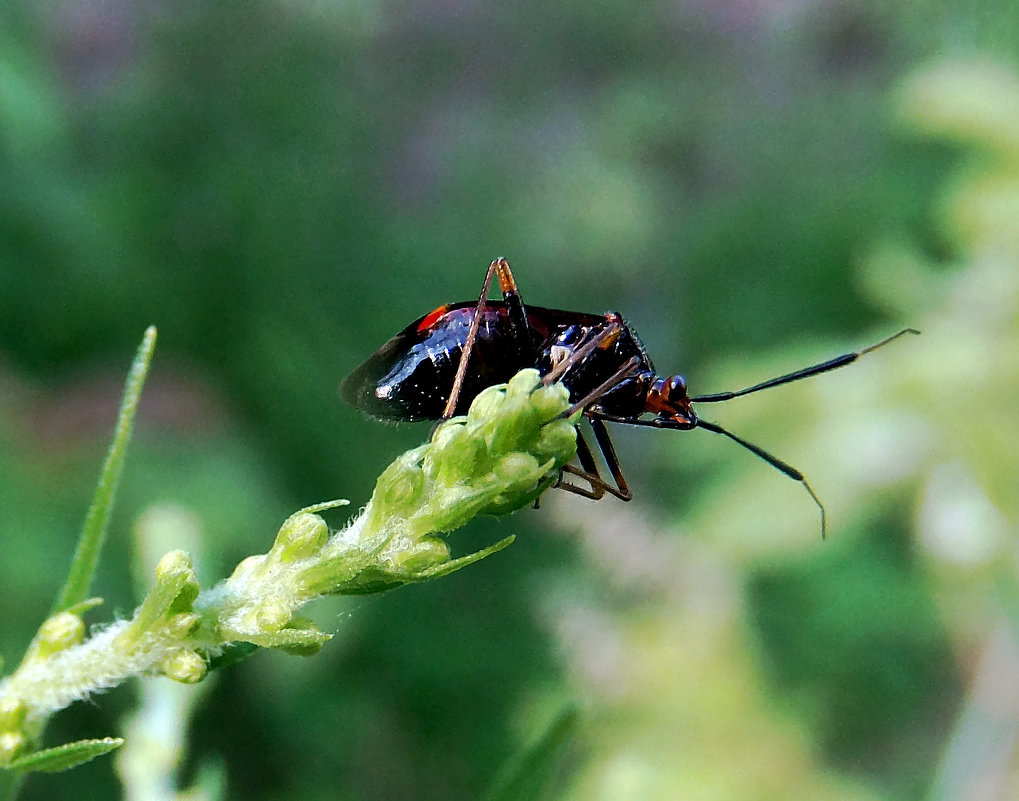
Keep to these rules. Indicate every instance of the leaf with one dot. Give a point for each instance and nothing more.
(84, 606)
(528, 776)
(377, 578)
(457, 564)
(93, 532)
(232, 654)
(299, 642)
(68, 755)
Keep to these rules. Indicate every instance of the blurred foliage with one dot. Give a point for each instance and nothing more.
(280, 186)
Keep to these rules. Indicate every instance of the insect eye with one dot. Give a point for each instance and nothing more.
(676, 387)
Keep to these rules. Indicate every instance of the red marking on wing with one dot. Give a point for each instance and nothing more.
(432, 318)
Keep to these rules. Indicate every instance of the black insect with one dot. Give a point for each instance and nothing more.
(436, 366)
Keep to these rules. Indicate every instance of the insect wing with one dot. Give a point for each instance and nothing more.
(410, 377)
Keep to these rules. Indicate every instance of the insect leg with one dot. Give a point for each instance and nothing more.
(589, 473)
(588, 470)
(608, 452)
(806, 372)
(624, 371)
(517, 318)
(603, 337)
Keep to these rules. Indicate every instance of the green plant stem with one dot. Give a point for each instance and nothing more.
(93, 533)
(498, 458)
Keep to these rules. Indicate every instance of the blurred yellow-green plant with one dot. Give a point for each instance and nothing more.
(926, 434)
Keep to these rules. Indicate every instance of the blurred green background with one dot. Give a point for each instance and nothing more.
(279, 186)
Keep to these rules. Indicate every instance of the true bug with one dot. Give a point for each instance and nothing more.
(435, 367)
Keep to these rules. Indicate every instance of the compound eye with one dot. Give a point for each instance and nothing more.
(675, 388)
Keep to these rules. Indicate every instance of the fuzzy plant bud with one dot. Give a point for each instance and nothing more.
(182, 625)
(176, 585)
(271, 616)
(301, 536)
(499, 458)
(12, 714)
(401, 487)
(417, 556)
(12, 744)
(184, 666)
(168, 604)
(57, 633)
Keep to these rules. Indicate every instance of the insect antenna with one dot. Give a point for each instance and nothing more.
(774, 461)
(806, 372)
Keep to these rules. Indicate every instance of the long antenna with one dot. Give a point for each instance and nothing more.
(806, 372)
(774, 461)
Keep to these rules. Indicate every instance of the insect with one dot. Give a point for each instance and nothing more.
(436, 366)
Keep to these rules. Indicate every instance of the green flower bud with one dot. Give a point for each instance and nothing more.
(448, 432)
(12, 743)
(248, 567)
(454, 454)
(12, 713)
(301, 536)
(305, 638)
(488, 404)
(551, 401)
(508, 429)
(271, 615)
(517, 471)
(184, 666)
(172, 564)
(181, 625)
(557, 439)
(176, 580)
(400, 487)
(421, 555)
(173, 592)
(59, 633)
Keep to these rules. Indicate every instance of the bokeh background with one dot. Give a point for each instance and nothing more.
(756, 184)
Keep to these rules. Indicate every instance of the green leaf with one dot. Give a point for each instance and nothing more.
(84, 606)
(93, 533)
(453, 565)
(529, 775)
(379, 578)
(68, 755)
(232, 654)
(299, 642)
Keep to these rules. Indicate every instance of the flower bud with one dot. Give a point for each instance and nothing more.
(551, 401)
(425, 553)
(271, 615)
(173, 564)
(59, 633)
(12, 743)
(248, 567)
(301, 536)
(399, 488)
(184, 666)
(183, 624)
(517, 471)
(176, 582)
(558, 440)
(12, 713)
(446, 464)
